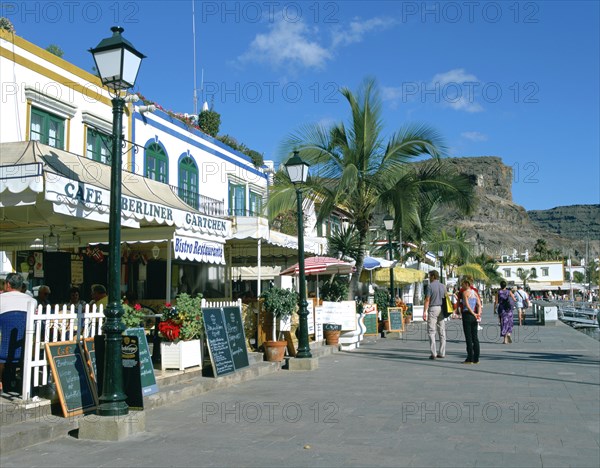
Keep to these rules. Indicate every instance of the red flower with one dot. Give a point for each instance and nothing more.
(169, 330)
(137, 307)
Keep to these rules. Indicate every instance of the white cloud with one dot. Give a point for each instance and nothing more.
(456, 89)
(458, 75)
(286, 44)
(357, 29)
(295, 44)
(474, 136)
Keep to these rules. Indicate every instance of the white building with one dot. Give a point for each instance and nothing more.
(192, 208)
(541, 275)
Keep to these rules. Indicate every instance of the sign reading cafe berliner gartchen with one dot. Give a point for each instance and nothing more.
(96, 201)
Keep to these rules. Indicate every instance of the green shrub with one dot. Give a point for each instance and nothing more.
(336, 290)
(382, 301)
(209, 122)
(280, 302)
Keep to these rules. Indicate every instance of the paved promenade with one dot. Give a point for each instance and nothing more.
(533, 403)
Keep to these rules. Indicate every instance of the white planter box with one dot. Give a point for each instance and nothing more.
(180, 354)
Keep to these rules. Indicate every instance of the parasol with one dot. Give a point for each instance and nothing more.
(320, 266)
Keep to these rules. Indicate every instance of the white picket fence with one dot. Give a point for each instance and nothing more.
(221, 303)
(55, 324)
(49, 326)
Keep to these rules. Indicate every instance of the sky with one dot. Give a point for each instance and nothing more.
(517, 80)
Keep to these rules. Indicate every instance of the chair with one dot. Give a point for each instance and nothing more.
(12, 343)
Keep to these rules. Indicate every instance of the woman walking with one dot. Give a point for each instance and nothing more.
(471, 312)
(504, 303)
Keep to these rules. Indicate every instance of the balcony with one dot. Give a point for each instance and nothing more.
(205, 205)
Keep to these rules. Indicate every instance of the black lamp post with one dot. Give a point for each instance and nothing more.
(388, 222)
(297, 170)
(117, 65)
(441, 257)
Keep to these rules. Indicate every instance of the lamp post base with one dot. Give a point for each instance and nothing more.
(112, 428)
(295, 364)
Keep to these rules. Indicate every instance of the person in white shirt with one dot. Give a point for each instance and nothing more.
(521, 295)
(12, 298)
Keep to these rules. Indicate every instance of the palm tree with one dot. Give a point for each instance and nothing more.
(490, 268)
(457, 250)
(525, 275)
(343, 243)
(353, 166)
(435, 188)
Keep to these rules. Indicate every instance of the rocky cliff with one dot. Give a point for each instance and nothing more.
(572, 222)
(499, 225)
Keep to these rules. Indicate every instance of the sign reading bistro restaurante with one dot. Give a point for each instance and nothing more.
(198, 250)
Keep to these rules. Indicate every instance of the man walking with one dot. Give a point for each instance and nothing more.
(435, 321)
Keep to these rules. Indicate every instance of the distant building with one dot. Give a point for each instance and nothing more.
(543, 276)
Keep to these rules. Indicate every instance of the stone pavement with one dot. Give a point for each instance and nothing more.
(535, 402)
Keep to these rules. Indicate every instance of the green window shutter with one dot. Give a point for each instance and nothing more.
(47, 128)
(188, 182)
(156, 166)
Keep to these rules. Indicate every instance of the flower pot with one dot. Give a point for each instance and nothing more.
(331, 332)
(274, 350)
(384, 325)
(180, 354)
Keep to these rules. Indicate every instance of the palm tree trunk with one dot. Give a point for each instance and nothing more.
(418, 288)
(354, 284)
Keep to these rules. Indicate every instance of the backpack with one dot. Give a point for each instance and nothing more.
(525, 300)
(505, 299)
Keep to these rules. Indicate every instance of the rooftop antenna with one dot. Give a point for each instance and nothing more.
(205, 104)
(194, 37)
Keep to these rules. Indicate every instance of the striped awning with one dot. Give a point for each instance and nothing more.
(321, 266)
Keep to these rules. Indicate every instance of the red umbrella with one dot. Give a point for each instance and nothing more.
(320, 266)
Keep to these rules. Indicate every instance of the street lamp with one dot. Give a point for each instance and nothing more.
(388, 222)
(571, 296)
(441, 257)
(117, 65)
(297, 170)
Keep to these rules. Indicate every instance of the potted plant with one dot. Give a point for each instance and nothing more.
(181, 329)
(280, 303)
(133, 316)
(382, 301)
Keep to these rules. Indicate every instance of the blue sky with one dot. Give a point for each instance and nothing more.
(518, 80)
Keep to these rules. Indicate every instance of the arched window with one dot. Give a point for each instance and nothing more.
(156, 163)
(533, 273)
(188, 181)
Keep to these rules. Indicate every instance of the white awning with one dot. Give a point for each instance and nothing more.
(251, 273)
(247, 231)
(39, 184)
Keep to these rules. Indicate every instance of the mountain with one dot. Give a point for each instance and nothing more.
(499, 226)
(572, 222)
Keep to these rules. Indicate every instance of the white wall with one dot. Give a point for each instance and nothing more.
(555, 271)
(215, 170)
(51, 84)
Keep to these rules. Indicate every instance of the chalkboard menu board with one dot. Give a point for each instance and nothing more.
(90, 354)
(71, 373)
(132, 380)
(236, 337)
(395, 318)
(370, 321)
(146, 368)
(226, 340)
